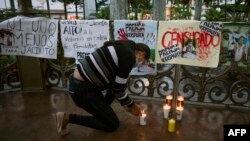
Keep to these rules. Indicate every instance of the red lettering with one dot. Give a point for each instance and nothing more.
(164, 45)
(204, 40)
(174, 38)
(215, 42)
(196, 35)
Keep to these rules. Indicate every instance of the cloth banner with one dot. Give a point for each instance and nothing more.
(36, 37)
(144, 31)
(193, 43)
(82, 37)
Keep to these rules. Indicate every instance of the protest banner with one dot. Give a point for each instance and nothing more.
(82, 37)
(36, 37)
(144, 31)
(236, 39)
(193, 43)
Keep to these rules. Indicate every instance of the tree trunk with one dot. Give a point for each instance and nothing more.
(198, 8)
(76, 9)
(12, 5)
(25, 7)
(118, 9)
(159, 9)
(65, 9)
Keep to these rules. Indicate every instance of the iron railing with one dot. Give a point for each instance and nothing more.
(227, 85)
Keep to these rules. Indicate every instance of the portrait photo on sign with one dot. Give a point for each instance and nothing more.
(189, 49)
(238, 47)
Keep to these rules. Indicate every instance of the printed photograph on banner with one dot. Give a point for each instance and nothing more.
(82, 37)
(144, 33)
(192, 43)
(236, 40)
(189, 49)
(238, 47)
(36, 37)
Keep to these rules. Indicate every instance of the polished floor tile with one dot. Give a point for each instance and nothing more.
(30, 117)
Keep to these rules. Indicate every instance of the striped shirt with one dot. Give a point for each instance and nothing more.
(109, 68)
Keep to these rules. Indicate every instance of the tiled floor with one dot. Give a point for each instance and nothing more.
(30, 117)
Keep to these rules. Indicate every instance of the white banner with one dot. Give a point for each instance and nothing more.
(187, 42)
(35, 37)
(82, 37)
(144, 31)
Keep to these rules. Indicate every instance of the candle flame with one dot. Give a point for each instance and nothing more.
(142, 112)
(169, 97)
(180, 98)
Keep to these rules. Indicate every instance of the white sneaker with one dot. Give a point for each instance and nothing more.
(62, 121)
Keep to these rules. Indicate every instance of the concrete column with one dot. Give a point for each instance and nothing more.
(118, 9)
(159, 9)
(29, 68)
(30, 73)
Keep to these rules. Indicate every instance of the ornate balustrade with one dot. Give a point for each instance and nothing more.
(227, 85)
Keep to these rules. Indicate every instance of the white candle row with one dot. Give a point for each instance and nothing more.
(179, 108)
(167, 108)
(179, 111)
(143, 118)
(180, 100)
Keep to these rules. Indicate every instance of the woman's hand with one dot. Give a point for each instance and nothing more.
(136, 109)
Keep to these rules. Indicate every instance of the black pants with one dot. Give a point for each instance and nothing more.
(90, 98)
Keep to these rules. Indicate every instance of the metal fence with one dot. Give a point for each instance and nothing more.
(227, 85)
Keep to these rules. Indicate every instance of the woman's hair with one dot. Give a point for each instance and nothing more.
(134, 46)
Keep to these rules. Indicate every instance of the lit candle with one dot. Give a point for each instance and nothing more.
(179, 111)
(166, 110)
(169, 99)
(180, 100)
(143, 120)
(171, 125)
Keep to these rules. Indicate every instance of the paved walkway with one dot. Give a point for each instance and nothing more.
(30, 117)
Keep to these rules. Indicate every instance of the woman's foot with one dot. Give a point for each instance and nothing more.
(62, 120)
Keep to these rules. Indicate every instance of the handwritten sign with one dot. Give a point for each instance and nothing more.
(144, 31)
(198, 43)
(82, 37)
(35, 37)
